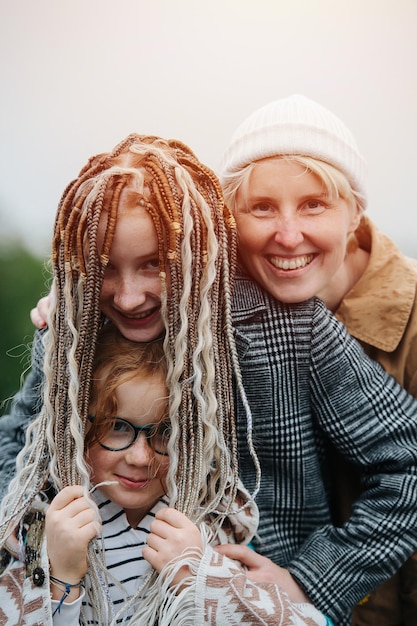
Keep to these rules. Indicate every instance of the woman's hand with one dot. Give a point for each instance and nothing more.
(261, 569)
(70, 524)
(39, 314)
(171, 533)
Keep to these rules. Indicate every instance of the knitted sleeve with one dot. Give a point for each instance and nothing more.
(26, 404)
(372, 421)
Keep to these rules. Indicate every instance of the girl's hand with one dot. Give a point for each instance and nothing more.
(70, 524)
(171, 533)
(39, 314)
(261, 569)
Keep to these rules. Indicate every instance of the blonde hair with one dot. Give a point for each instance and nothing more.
(334, 180)
(197, 257)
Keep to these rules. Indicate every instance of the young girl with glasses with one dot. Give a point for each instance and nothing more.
(126, 448)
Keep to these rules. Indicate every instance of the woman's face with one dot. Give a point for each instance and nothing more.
(139, 471)
(292, 236)
(131, 291)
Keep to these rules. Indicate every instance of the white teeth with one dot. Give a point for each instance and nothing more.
(292, 264)
(139, 316)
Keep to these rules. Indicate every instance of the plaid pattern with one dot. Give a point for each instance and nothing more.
(325, 391)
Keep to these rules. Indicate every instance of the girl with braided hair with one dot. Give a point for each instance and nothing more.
(147, 213)
(183, 239)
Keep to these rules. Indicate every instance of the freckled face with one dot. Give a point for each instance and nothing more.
(292, 236)
(131, 292)
(139, 472)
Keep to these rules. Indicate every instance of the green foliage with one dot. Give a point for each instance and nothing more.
(23, 280)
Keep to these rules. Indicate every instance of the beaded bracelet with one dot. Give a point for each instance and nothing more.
(67, 590)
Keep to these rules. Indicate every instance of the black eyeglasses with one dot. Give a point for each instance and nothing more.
(121, 434)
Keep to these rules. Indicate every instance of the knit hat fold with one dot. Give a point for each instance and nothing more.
(296, 126)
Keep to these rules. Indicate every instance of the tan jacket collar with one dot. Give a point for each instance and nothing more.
(386, 291)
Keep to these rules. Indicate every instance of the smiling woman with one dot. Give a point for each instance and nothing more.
(296, 182)
(294, 228)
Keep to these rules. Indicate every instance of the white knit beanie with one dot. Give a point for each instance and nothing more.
(296, 126)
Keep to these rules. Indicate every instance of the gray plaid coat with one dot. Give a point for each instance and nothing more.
(310, 387)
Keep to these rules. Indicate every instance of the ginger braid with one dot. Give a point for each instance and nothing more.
(189, 202)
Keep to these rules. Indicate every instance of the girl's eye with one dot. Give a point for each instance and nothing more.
(152, 264)
(120, 427)
(160, 437)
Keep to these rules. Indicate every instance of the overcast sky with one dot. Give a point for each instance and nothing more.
(78, 76)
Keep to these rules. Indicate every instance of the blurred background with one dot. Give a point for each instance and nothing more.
(77, 77)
